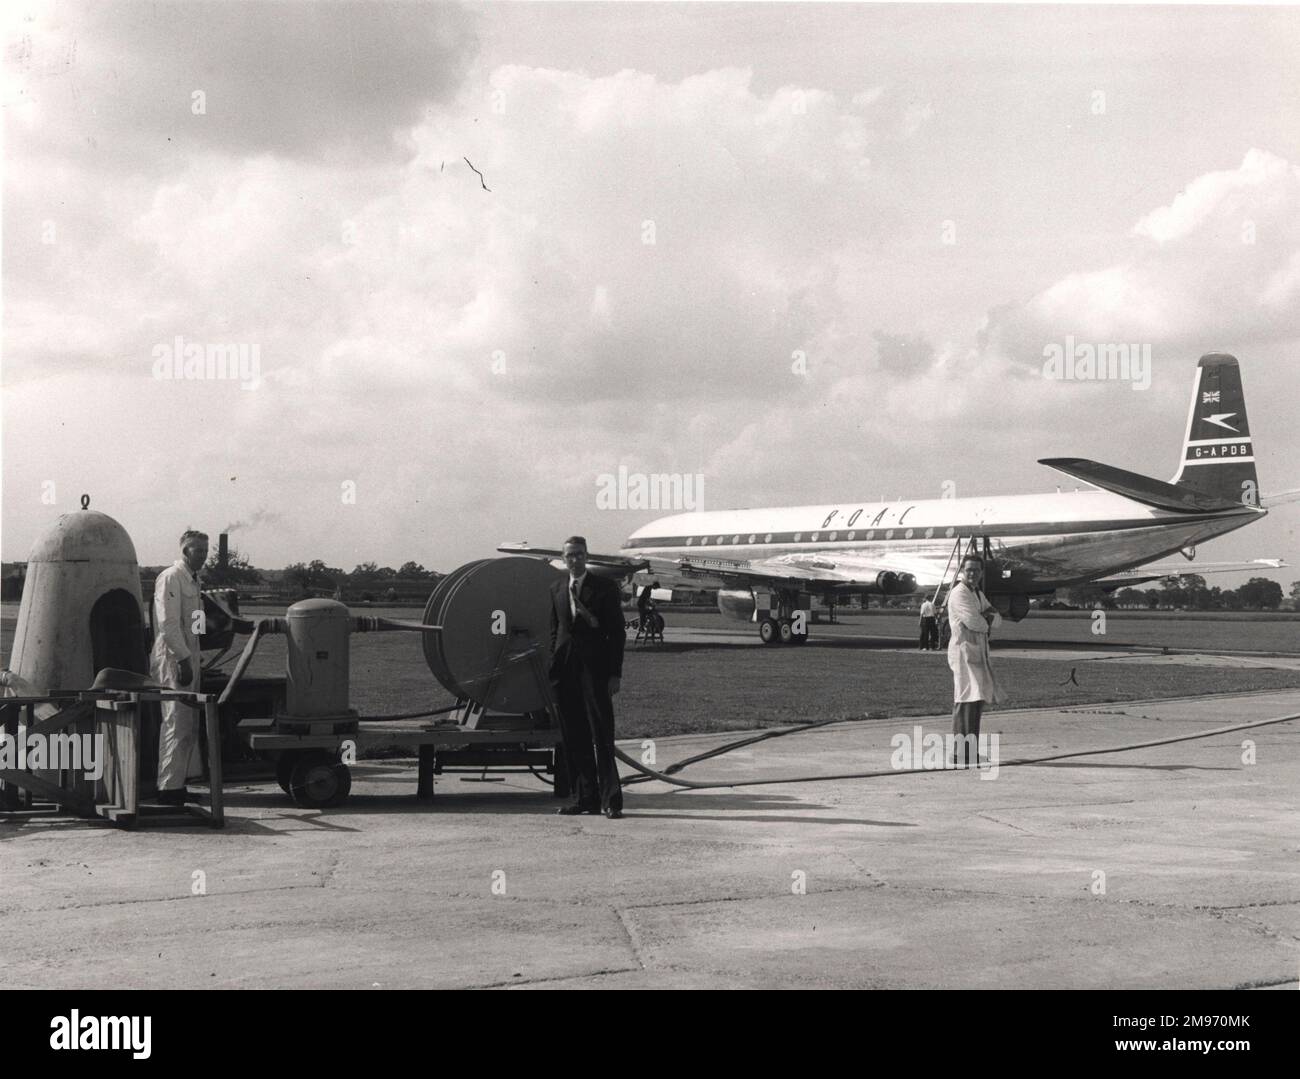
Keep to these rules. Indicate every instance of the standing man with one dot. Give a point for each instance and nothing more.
(971, 616)
(587, 639)
(174, 663)
(929, 626)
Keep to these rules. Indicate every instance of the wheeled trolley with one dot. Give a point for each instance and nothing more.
(313, 766)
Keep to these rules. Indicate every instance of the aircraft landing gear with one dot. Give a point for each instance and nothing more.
(789, 623)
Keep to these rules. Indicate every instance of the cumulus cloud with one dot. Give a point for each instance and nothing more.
(1224, 200)
(672, 275)
(124, 84)
(635, 288)
(1218, 264)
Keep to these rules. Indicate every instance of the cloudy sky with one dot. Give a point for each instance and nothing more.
(672, 204)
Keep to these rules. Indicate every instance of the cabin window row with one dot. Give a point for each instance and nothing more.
(813, 537)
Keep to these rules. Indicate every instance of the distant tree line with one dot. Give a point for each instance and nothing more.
(1188, 593)
(369, 580)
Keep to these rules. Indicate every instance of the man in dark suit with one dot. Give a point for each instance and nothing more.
(587, 639)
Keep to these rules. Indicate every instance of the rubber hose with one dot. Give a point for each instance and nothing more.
(883, 773)
(245, 657)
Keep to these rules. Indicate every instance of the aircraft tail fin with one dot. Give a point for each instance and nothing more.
(1218, 458)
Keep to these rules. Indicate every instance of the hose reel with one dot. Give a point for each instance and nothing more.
(494, 644)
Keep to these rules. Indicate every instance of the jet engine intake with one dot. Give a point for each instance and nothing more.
(895, 584)
(737, 603)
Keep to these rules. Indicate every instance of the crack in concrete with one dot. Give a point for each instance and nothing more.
(331, 868)
(161, 899)
(632, 940)
(869, 886)
(1264, 984)
(876, 882)
(871, 877)
(1281, 936)
(1261, 903)
(562, 978)
(1022, 831)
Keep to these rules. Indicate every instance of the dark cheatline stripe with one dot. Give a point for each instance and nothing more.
(936, 532)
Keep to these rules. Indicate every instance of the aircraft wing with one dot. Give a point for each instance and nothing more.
(830, 572)
(838, 571)
(1156, 571)
(606, 565)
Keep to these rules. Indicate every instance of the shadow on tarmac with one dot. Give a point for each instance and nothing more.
(751, 808)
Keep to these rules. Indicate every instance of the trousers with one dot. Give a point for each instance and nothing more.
(178, 737)
(178, 746)
(966, 729)
(929, 634)
(587, 728)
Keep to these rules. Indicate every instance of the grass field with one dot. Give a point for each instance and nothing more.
(1162, 629)
(684, 688)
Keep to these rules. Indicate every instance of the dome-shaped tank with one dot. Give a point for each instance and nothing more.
(81, 609)
(85, 536)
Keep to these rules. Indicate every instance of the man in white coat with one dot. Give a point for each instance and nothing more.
(174, 663)
(970, 616)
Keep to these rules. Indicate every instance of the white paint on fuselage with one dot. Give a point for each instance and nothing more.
(1066, 536)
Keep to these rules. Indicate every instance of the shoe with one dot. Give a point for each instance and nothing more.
(574, 810)
(175, 797)
(614, 814)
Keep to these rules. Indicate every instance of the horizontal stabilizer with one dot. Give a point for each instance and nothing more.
(1144, 489)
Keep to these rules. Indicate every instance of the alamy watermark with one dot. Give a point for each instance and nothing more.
(1084, 361)
(112, 1032)
(76, 752)
(649, 491)
(196, 361)
(920, 751)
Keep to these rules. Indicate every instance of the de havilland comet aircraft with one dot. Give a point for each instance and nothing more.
(766, 563)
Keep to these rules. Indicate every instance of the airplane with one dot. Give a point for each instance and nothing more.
(767, 563)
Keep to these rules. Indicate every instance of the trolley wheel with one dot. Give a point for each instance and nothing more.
(284, 770)
(787, 631)
(769, 631)
(317, 780)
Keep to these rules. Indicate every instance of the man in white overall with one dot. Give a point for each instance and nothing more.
(971, 616)
(174, 663)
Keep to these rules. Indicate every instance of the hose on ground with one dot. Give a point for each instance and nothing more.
(664, 777)
(781, 732)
